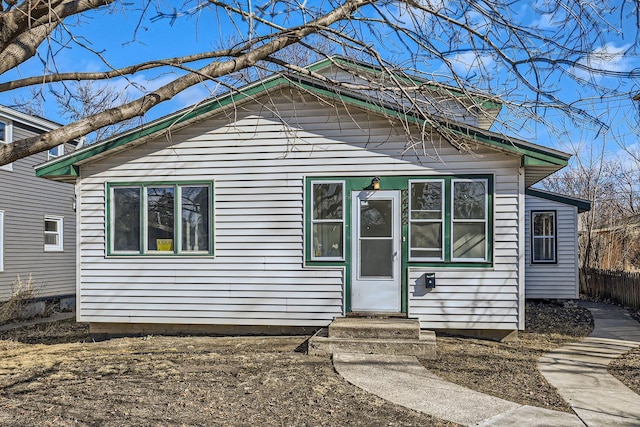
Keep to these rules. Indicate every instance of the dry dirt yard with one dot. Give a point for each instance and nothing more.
(53, 374)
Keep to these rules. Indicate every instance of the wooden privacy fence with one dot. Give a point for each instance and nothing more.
(620, 287)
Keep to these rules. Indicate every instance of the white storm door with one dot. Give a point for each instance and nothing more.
(375, 252)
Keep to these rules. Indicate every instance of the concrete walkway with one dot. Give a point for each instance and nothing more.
(578, 371)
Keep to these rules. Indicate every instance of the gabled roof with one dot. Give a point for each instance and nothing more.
(581, 204)
(537, 160)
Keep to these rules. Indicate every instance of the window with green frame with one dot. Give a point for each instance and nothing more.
(160, 218)
(449, 220)
(327, 220)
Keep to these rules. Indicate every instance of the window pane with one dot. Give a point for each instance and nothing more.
(50, 239)
(543, 249)
(50, 226)
(426, 236)
(543, 224)
(426, 200)
(327, 201)
(469, 240)
(469, 200)
(2, 131)
(160, 216)
(195, 218)
(376, 258)
(327, 240)
(126, 219)
(376, 218)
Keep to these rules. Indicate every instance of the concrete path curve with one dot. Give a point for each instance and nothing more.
(577, 370)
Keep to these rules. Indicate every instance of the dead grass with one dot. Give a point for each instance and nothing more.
(22, 293)
(508, 369)
(52, 374)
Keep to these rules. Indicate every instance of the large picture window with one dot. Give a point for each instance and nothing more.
(161, 219)
(327, 220)
(543, 237)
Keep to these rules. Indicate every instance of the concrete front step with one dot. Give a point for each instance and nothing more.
(374, 328)
(424, 347)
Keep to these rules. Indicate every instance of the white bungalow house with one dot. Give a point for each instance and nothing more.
(293, 202)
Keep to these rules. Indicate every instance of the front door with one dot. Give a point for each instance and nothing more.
(376, 279)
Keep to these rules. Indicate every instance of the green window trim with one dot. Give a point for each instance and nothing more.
(327, 223)
(176, 237)
(402, 183)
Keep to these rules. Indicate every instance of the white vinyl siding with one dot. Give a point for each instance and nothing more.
(259, 165)
(557, 280)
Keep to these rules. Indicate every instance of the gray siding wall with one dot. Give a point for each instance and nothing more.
(560, 280)
(257, 277)
(25, 200)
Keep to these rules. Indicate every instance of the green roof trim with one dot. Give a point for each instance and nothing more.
(68, 165)
(581, 204)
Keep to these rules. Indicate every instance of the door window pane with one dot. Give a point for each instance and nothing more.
(160, 218)
(195, 218)
(376, 218)
(126, 219)
(376, 258)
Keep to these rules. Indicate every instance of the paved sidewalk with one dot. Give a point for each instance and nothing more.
(579, 371)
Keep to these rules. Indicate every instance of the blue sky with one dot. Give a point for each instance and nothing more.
(114, 34)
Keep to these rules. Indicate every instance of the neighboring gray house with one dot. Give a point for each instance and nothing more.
(292, 203)
(37, 217)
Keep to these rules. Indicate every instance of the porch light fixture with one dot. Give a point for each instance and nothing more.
(375, 183)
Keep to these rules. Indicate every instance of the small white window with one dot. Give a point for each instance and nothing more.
(53, 234)
(5, 138)
(55, 152)
(1, 240)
